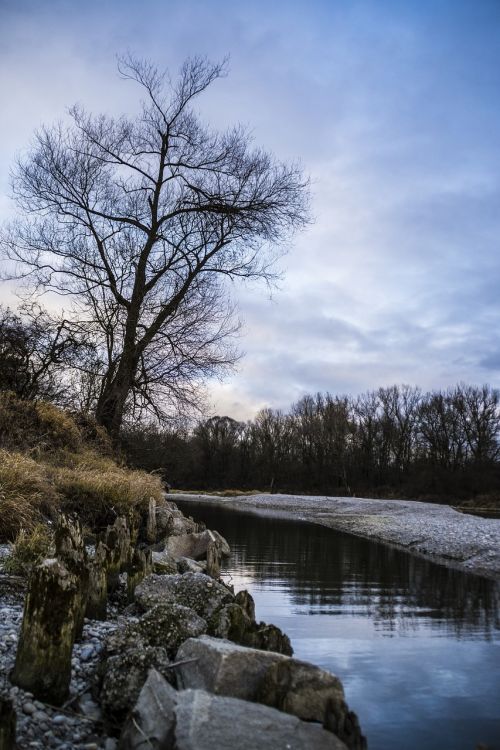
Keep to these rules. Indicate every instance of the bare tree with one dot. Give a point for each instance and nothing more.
(142, 219)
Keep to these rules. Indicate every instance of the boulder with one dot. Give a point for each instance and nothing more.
(124, 675)
(312, 694)
(246, 602)
(211, 722)
(194, 590)
(232, 622)
(164, 719)
(171, 522)
(166, 625)
(196, 545)
(223, 668)
(152, 721)
(269, 638)
(186, 565)
(163, 563)
(289, 685)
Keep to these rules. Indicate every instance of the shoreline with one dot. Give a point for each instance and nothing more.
(435, 532)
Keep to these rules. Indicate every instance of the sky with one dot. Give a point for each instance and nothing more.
(393, 109)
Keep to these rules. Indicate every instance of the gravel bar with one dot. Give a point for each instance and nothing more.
(436, 532)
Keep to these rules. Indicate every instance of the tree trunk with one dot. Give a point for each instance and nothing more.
(111, 404)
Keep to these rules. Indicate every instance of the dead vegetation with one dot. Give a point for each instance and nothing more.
(51, 460)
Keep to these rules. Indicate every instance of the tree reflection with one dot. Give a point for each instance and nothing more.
(327, 571)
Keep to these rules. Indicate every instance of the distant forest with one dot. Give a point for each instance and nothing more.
(391, 442)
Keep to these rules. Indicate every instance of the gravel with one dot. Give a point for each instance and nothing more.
(433, 531)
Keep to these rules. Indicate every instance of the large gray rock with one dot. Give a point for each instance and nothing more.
(195, 590)
(170, 521)
(196, 546)
(164, 719)
(124, 676)
(311, 694)
(233, 622)
(166, 625)
(223, 668)
(290, 685)
(210, 722)
(163, 563)
(186, 565)
(151, 723)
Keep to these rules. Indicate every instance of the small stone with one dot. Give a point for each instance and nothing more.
(29, 708)
(59, 719)
(86, 653)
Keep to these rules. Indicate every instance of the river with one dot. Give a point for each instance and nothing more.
(416, 645)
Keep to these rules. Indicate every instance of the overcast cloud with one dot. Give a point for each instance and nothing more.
(394, 110)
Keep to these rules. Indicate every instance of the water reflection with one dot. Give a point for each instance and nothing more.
(416, 644)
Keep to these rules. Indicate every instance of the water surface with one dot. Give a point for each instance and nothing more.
(416, 645)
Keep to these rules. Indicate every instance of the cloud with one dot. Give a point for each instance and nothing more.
(393, 111)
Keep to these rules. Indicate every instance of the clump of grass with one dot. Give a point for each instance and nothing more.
(27, 494)
(29, 548)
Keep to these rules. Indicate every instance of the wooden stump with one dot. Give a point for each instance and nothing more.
(151, 531)
(117, 540)
(7, 725)
(43, 658)
(213, 559)
(70, 549)
(97, 598)
(139, 567)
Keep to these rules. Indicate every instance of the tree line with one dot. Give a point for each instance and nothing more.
(395, 441)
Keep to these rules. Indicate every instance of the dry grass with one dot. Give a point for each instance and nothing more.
(51, 460)
(100, 491)
(29, 548)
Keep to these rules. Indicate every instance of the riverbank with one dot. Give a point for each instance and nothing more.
(436, 532)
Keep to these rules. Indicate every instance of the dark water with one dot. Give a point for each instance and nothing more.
(417, 645)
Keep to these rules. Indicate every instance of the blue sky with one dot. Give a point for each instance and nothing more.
(393, 108)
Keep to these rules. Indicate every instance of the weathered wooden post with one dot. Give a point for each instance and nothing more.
(97, 598)
(213, 559)
(139, 567)
(43, 658)
(117, 540)
(151, 531)
(70, 549)
(7, 724)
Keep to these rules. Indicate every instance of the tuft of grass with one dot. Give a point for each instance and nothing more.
(29, 548)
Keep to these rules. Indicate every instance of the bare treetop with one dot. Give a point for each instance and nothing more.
(138, 217)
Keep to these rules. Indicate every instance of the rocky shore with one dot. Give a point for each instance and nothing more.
(176, 659)
(436, 532)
